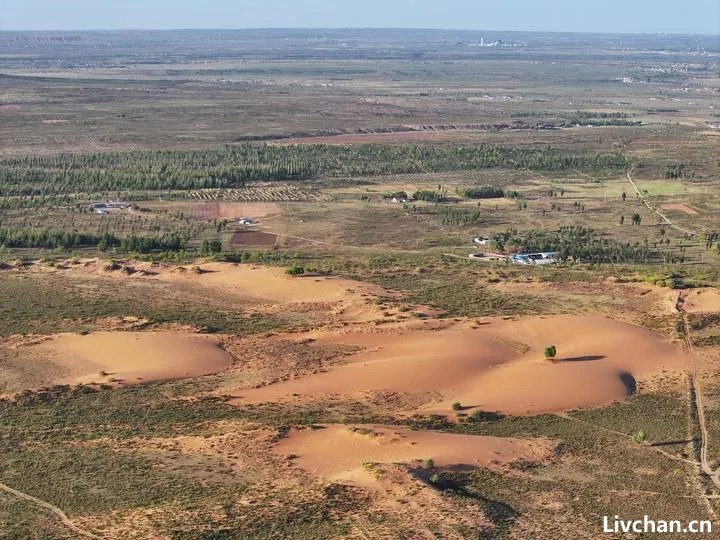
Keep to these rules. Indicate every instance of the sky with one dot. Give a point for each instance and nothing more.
(616, 16)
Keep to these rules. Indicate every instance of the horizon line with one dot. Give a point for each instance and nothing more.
(319, 28)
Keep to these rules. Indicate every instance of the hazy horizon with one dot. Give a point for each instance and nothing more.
(701, 17)
(358, 28)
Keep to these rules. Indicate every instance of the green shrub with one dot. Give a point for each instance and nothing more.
(295, 270)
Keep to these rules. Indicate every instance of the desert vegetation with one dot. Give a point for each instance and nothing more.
(236, 297)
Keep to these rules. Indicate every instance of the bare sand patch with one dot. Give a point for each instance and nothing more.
(679, 208)
(338, 452)
(272, 285)
(248, 282)
(498, 366)
(128, 357)
(253, 286)
(702, 300)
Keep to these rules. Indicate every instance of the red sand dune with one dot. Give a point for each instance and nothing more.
(130, 357)
(498, 366)
(338, 452)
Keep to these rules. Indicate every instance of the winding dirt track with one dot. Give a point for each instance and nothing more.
(52, 508)
(704, 463)
(652, 208)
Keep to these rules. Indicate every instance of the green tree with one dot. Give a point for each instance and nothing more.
(295, 270)
(550, 352)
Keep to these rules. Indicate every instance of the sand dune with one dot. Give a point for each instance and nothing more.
(338, 452)
(498, 366)
(129, 357)
(704, 300)
(272, 284)
(399, 361)
(252, 285)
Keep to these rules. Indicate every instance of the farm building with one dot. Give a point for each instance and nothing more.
(548, 257)
(481, 240)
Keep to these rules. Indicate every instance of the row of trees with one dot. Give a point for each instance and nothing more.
(234, 166)
(54, 239)
(47, 239)
(675, 171)
(484, 192)
(427, 195)
(460, 218)
(148, 244)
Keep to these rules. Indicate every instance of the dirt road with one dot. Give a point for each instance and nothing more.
(52, 508)
(652, 208)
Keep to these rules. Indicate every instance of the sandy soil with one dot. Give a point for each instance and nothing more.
(703, 300)
(273, 286)
(247, 283)
(128, 357)
(679, 208)
(338, 452)
(498, 366)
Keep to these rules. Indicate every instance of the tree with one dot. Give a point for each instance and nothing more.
(640, 437)
(211, 246)
(636, 219)
(622, 220)
(295, 270)
(624, 196)
(550, 352)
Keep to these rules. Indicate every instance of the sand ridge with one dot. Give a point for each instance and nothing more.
(341, 453)
(272, 284)
(498, 366)
(248, 284)
(129, 357)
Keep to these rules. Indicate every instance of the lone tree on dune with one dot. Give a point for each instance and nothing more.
(550, 352)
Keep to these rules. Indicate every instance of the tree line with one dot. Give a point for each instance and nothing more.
(55, 239)
(234, 166)
(484, 192)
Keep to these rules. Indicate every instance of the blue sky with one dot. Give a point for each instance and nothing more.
(671, 16)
